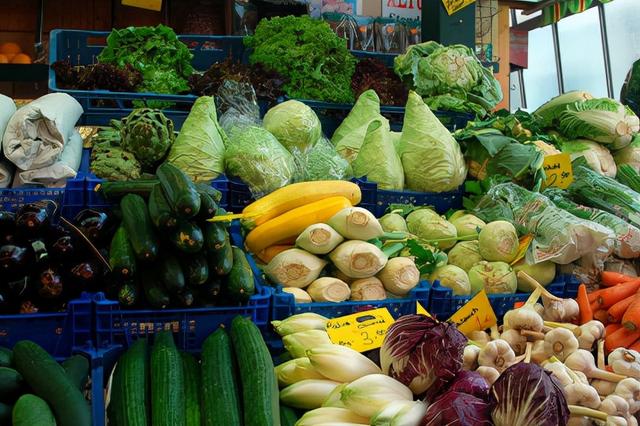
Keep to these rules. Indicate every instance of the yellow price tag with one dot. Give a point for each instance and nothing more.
(421, 310)
(525, 242)
(362, 331)
(453, 6)
(558, 170)
(476, 315)
(144, 4)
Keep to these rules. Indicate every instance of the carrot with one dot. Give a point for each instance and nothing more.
(518, 305)
(635, 346)
(620, 338)
(612, 295)
(618, 309)
(609, 278)
(631, 317)
(593, 296)
(586, 314)
(612, 328)
(601, 315)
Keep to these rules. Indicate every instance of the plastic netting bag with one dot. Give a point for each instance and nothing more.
(323, 162)
(559, 236)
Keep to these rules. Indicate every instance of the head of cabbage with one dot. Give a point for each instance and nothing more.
(598, 157)
(630, 154)
(294, 124)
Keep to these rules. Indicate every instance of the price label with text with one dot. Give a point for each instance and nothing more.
(477, 314)
(421, 310)
(558, 171)
(362, 331)
(452, 6)
(144, 4)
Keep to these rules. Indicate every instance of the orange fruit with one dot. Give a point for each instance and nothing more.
(21, 58)
(10, 48)
(4, 59)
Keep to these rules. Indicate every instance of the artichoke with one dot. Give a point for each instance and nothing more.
(147, 134)
(113, 163)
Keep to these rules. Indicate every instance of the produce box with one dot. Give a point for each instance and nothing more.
(117, 326)
(59, 333)
(70, 199)
(443, 303)
(83, 47)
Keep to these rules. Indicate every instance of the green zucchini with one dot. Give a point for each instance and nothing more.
(195, 269)
(136, 220)
(77, 369)
(170, 273)
(288, 416)
(49, 381)
(208, 206)
(154, 291)
(179, 189)
(128, 293)
(160, 211)
(220, 397)
(208, 189)
(260, 397)
(113, 191)
(240, 283)
(6, 357)
(211, 290)
(129, 404)
(5, 414)
(31, 410)
(11, 383)
(121, 256)
(185, 298)
(191, 370)
(187, 237)
(167, 382)
(218, 245)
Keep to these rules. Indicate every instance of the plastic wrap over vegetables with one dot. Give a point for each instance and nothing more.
(597, 156)
(559, 236)
(422, 353)
(294, 124)
(458, 409)
(526, 394)
(323, 162)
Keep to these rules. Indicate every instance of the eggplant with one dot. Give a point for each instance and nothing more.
(85, 276)
(28, 307)
(32, 219)
(94, 225)
(40, 253)
(49, 284)
(13, 260)
(63, 249)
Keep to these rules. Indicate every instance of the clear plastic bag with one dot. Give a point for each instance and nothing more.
(323, 162)
(238, 105)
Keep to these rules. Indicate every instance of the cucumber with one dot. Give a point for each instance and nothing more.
(187, 237)
(240, 285)
(113, 191)
(167, 382)
(208, 206)
(6, 357)
(154, 291)
(31, 410)
(191, 370)
(160, 211)
(128, 294)
(121, 256)
(208, 189)
(136, 220)
(49, 381)
(129, 404)
(180, 191)
(11, 383)
(170, 273)
(220, 397)
(5, 414)
(195, 269)
(288, 416)
(77, 369)
(218, 245)
(260, 397)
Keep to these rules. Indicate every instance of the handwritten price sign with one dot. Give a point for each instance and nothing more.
(453, 6)
(558, 170)
(362, 331)
(477, 314)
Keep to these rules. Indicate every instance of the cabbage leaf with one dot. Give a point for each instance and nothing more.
(378, 160)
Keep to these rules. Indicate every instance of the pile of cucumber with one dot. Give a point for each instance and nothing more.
(36, 390)
(232, 383)
(168, 254)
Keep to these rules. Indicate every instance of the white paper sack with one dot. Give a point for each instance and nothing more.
(37, 132)
(55, 175)
(7, 109)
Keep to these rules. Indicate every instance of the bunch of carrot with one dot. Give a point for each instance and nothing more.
(617, 306)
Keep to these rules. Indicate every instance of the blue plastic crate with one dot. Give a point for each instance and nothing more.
(59, 333)
(440, 201)
(443, 303)
(117, 326)
(83, 48)
(68, 198)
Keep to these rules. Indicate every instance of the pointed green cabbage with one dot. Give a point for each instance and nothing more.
(431, 157)
(378, 160)
(598, 157)
(549, 112)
